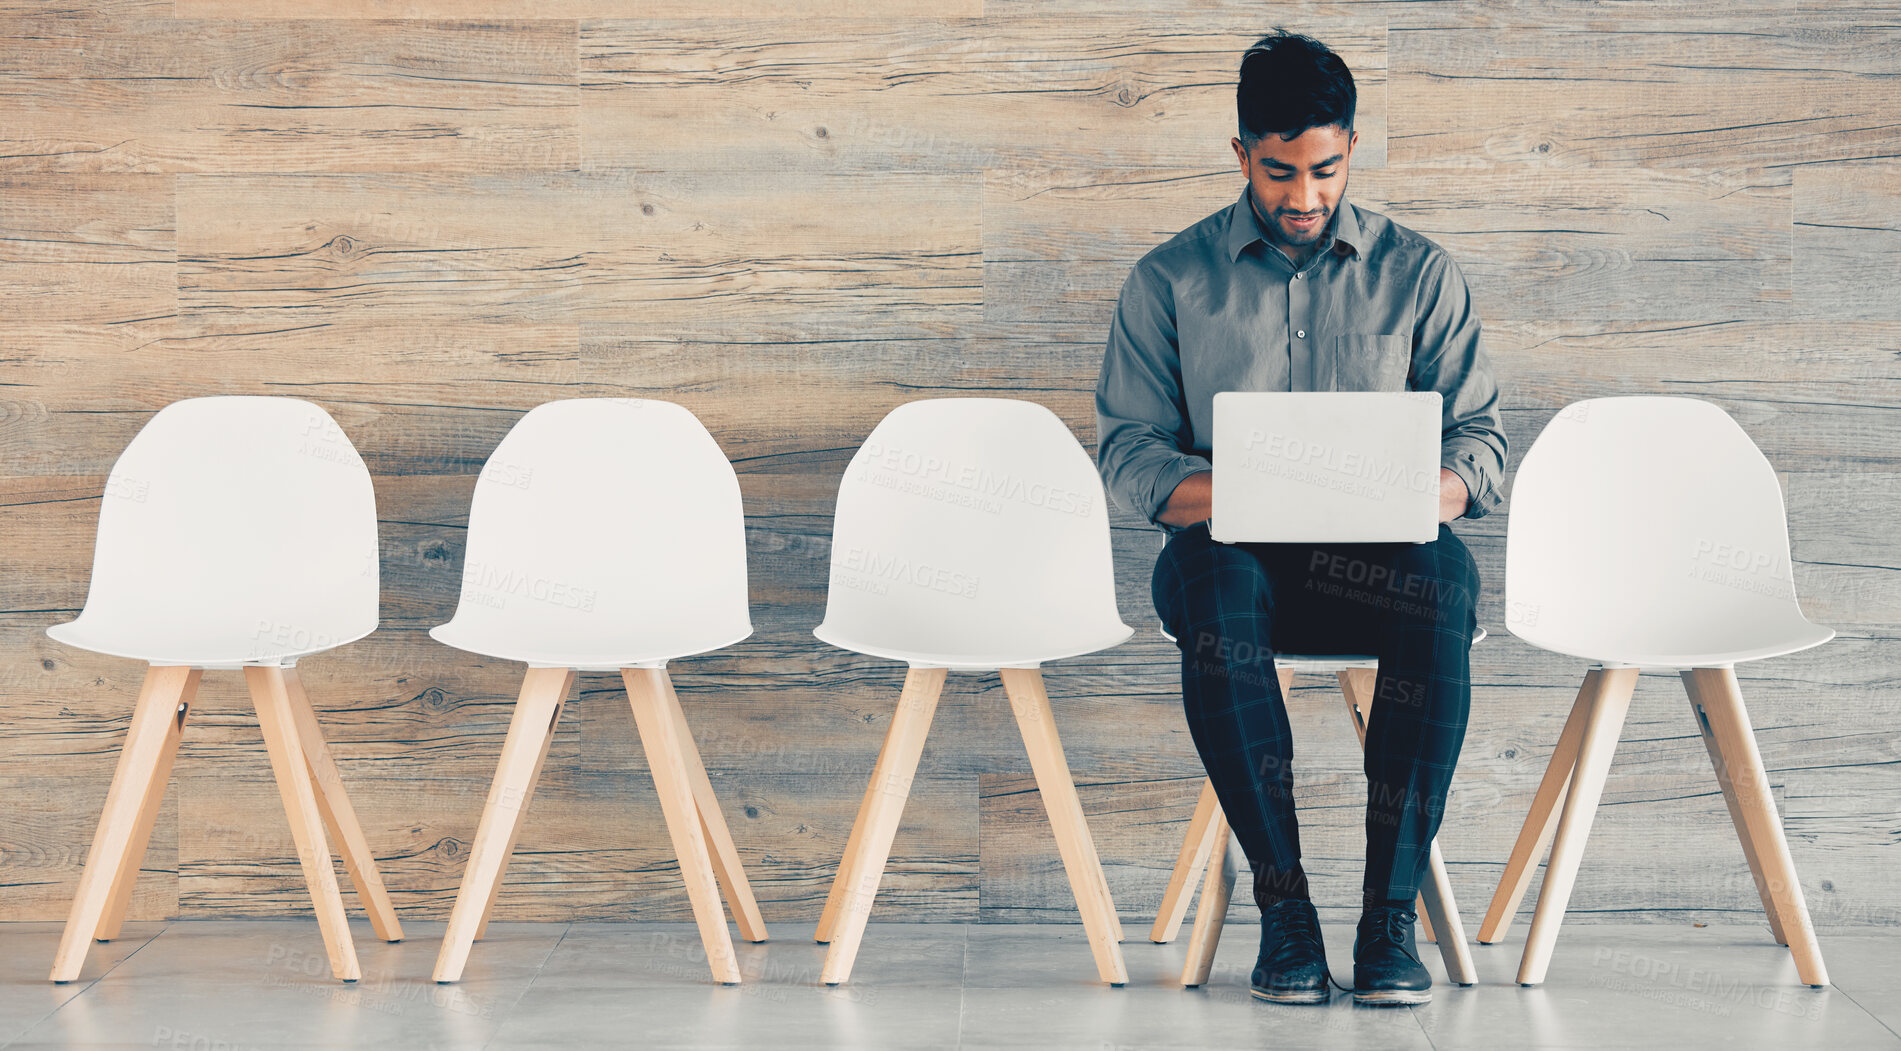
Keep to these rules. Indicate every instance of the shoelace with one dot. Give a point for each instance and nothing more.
(1394, 923)
(1300, 923)
(1391, 924)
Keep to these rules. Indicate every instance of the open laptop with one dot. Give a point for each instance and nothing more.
(1326, 466)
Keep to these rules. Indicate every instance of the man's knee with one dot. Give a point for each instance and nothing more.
(1454, 578)
(1199, 583)
(1227, 643)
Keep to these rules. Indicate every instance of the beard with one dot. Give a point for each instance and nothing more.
(1293, 236)
(1281, 233)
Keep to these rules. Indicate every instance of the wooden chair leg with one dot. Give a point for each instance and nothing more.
(1197, 845)
(1038, 724)
(270, 693)
(854, 842)
(521, 808)
(1541, 822)
(1436, 901)
(1720, 701)
(870, 845)
(660, 738)
(1211, 910)
(1609, 703)
(121, 899)
(156, 720)
(732, 875)
(1736, 817)
(542, 692)
(339, 816)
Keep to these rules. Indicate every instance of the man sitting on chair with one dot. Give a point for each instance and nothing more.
(1291, 288)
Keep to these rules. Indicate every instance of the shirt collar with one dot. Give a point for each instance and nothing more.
(1244, 227)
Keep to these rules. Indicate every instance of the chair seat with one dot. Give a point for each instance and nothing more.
(603, 650)
(974, 658)
(1789, 639)
(181, 643)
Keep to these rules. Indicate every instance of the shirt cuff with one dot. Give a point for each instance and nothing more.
(1462, 462)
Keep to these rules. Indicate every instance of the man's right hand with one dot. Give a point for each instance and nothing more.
(1192, 502)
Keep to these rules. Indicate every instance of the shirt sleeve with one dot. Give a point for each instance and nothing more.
(1142, 427)
(1449, 357)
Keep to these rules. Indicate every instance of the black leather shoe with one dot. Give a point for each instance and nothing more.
(1292, 968)
(1386, 967)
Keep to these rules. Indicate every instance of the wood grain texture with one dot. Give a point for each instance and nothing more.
(138, 93)
(88, 248)
(659, 247)
(430, 217)
(1306, 16)
(953, 93)
(1848, 240)
(1552, 84)
(569, 9)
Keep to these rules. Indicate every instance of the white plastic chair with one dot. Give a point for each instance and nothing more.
(1648, 532)
(605, 534)
(970, 534)
(1357, 674)
(235, 532)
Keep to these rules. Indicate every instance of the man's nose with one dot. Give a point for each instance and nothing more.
(1304, 201)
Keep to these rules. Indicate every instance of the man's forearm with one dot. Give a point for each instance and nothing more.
(1191, 502)
(1454, 499)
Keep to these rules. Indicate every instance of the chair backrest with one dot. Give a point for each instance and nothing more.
(234, 529)
(604, 530)
(973, 528)
(1648, 526)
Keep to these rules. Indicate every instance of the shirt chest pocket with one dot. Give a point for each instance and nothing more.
(1363, 361)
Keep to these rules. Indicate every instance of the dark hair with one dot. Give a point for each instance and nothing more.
(1289, 83)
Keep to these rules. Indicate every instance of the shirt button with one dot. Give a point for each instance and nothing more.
(1297, 275)
(1301, 332)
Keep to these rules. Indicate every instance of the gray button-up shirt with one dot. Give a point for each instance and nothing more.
(1218, 307)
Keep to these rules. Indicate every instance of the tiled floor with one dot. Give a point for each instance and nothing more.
(239, 985)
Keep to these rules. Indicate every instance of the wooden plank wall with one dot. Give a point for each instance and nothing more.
(791, 216)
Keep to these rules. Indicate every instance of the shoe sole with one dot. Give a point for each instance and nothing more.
(1301, 997)
(1393, 998)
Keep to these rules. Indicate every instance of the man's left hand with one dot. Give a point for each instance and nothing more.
(1452, 495)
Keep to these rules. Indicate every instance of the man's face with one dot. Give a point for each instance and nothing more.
(1304, 176)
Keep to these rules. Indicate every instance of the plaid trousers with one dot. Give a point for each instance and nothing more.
(1232, 606)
